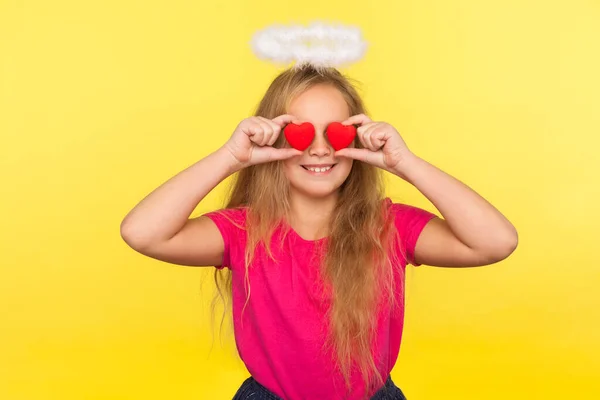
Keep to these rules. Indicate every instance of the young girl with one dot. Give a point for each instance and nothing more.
(311, 251)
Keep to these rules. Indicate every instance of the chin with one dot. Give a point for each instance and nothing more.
(316, 192)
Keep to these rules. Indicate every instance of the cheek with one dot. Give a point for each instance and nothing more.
(345, 166)
(288, 168)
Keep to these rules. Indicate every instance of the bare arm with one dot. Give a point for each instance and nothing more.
(163, 213)
(472, 233)
(159, 225)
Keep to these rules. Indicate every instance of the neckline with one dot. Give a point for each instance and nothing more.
(297, 235)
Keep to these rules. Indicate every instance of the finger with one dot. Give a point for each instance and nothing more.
(284, 153)
(276, 130)
(267, 132)
(354, 153)
(369, 142)
(369, 137)
(273, 139)
(257, 133)
(361, 138)
(250, 130)
(284, 119)
(366, 127)
(359, 119)
(378, 138)
(272, 124)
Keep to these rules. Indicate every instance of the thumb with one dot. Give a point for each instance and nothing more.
(284, 154)
(354, 153)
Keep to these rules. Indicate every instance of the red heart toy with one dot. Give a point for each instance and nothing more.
(299, 136)
(340, 136)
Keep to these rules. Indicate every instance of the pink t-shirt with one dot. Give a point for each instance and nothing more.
(282, 333)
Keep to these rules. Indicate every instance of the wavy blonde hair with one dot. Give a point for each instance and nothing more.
(357, 263)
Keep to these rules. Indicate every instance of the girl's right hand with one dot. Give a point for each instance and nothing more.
(251, 142)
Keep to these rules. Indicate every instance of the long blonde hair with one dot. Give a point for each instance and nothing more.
(357, 263)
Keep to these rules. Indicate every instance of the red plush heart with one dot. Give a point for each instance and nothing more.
(340, 136)
(299, 136)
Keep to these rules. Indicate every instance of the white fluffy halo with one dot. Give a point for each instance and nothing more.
(319, 44)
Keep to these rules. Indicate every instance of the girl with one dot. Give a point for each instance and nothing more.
(310, 249)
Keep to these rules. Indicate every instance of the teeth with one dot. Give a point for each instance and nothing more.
(323, 169)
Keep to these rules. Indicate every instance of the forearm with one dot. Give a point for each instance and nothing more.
(164, 212)
(472, 219)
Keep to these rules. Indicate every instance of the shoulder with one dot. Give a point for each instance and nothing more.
(405, 213)
(229, 218)
(409, 222)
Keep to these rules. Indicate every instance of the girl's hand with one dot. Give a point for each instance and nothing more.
(383, 145)
(251, 142)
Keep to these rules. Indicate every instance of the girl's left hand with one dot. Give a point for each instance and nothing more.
(383, 145)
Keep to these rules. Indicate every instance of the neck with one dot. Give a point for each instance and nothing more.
(309, 215)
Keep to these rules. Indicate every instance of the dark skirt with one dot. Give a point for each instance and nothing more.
(253, 390)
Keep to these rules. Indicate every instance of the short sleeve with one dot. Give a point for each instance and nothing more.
(410, 222)
(231, 224)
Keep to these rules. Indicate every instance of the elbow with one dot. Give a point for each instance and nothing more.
(504, 247)
(512, 241)
(130, 237)
(126, 236)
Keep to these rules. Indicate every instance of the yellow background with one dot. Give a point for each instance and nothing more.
(100, 102)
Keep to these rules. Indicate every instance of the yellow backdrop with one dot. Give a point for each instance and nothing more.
(100, 102)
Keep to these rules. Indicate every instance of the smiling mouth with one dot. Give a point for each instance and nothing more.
(319, 168)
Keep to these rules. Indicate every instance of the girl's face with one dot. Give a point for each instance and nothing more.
(317, 173)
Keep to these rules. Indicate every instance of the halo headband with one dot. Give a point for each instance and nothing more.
(320, 45)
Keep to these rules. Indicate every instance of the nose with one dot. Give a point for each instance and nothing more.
(320, 146)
